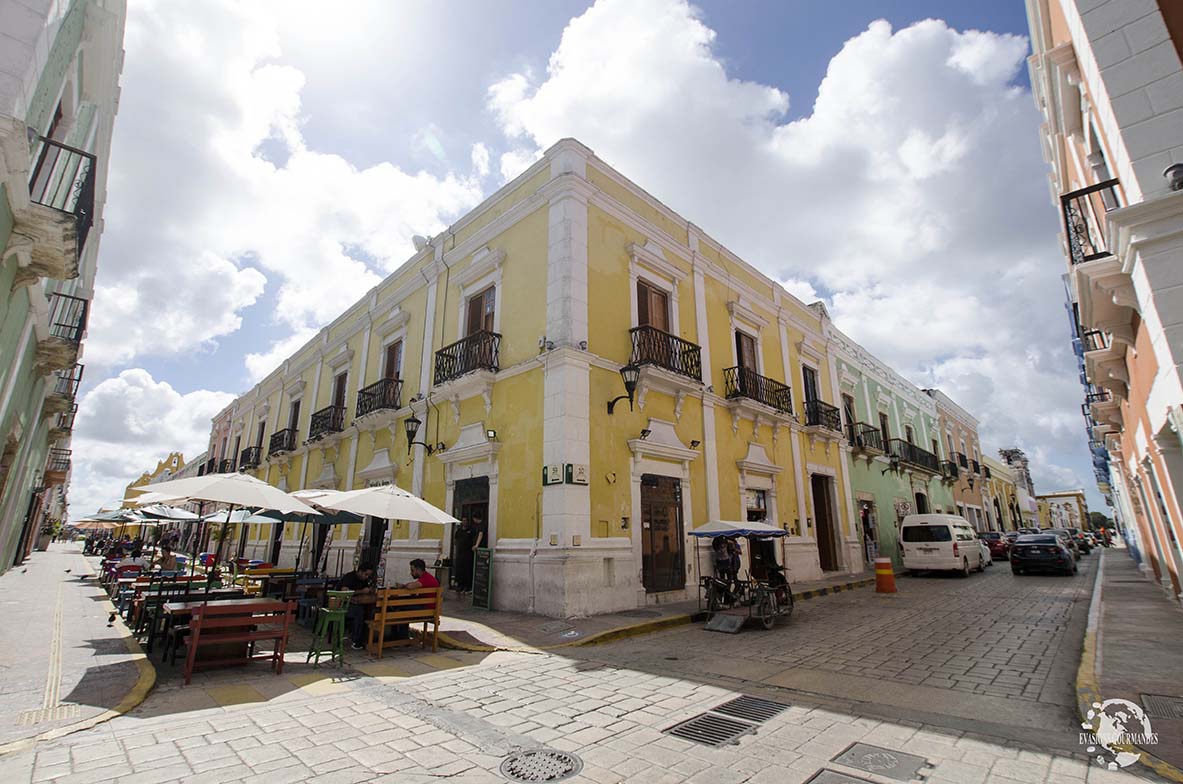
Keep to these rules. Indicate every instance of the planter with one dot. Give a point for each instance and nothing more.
(43, 542)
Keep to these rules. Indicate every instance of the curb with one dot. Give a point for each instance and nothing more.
(1088, 679)
(138, 693)
(638, 629)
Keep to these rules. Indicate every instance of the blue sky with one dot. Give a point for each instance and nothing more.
(263, 149)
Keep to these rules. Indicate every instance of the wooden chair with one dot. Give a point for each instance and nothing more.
(405, 606)
(218, 624)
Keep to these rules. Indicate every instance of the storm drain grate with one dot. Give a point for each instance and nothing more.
(1160, 707)
(541, 765)
(754, 709)
(711, 730)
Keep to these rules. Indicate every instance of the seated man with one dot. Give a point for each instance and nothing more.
(420, 578)
(165, 560)
(361, 582)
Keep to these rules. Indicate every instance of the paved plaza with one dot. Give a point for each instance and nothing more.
(939, 672)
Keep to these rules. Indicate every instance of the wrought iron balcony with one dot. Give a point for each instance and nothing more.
(1095, 340)
(949, 469)
(963, 461)
(975, 466)
(864, 436)
(1084, 220)
(282, 441)
(1100, 396)
(66, 381)
(821, 414)
(58, 461)
(250, 457)
(913, 455)
(384, 394)
(226, 466)
(986, 472)
(65, 419)
(63, 179)
(652, 346)
(743, 382)
(478, 351)
(67, 317)
(330, 419)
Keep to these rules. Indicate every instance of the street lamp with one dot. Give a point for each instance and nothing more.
(412, 427)
(629, 374)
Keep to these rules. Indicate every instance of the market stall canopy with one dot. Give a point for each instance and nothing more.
(234, 489)
(728, 528)
(388, 502)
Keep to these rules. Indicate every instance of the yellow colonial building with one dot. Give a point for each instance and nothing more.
(166, 469)
(584, 374)
(1065, 509)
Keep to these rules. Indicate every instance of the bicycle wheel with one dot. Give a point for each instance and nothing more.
(764, 609)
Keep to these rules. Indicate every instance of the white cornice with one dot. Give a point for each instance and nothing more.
(651, 256)
(484, 262)
(740, 310)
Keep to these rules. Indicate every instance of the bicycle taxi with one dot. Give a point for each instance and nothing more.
(763, 600)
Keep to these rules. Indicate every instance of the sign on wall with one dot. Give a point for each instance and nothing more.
(482, 578)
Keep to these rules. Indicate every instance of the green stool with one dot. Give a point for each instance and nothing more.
(328, 634)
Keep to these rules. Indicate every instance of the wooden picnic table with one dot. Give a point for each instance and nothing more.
(171, 611)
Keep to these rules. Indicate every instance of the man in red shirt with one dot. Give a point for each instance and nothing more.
(420, 577)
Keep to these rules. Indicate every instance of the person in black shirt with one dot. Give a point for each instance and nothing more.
(361, 582)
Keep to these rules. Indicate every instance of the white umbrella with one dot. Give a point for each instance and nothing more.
(234, 489)
(388, 502)
(146, 498)
(164, 512)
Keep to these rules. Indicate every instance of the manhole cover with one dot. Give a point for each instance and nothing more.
(711, 730)
(882, 762)
(825, 776)
(541, 765)
(552, 627)
(751, 708)
(1161, 707)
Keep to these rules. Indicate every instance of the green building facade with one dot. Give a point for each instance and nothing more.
(897, 461)
(58, 96)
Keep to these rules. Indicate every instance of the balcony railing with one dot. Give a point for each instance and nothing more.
(652, 346)
(478, 351)
(1100, 396)
(65, 419)
(67, 317)
(330, 419)
(986, 472)
(58, 461)
(384, 394)
(743, 382)
(962, 460)
(864, 436)
(914, 455)
(250, 457)
(949, 469)
(975, 466)
(226, 466)
(282, 441)
(66, 381)
(823, 415)
(1084, 220)
(1095, 340)
(63, 179)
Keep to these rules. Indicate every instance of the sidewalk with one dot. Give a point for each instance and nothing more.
(1139, 649)
(464, 627)
(63, 666)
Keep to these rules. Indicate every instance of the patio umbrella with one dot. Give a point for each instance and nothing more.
(390, 503)
(232, 489)
(315, 496)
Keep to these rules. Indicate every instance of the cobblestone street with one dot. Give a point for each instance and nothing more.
(422, 717)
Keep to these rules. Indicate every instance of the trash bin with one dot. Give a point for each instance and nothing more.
(443, 573)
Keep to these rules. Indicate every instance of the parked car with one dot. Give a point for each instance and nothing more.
(1042, 552)
(940, 542)
(1091, 537)
(997, 543)
(1029, 530)
(1011, 536)
(1068, 538)
(987, 559)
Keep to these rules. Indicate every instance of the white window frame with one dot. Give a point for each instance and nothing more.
(648, 263)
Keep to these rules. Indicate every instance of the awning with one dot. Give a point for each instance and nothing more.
(728, 528)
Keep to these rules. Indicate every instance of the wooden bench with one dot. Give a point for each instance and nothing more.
(245, 621)
(404, 606)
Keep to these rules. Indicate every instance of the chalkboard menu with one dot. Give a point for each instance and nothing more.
(482, 579)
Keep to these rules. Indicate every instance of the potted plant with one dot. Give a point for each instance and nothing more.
(45, 535)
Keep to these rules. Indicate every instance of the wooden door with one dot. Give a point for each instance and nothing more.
(662, 556)
(810, 377)
(653, 307)
(339, 389)
(824, 524)
(481, 309)
(393, 360)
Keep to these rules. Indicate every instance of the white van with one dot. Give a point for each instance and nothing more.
(940, 541)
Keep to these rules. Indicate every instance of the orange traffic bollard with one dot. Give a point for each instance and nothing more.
(884, 576)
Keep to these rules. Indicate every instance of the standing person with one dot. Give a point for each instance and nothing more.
(464, 538)
(736, 557)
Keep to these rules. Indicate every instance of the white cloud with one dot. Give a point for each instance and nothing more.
(213, 190)
(128, 423)
(480, 159)
(259, 365)
(913, 193)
